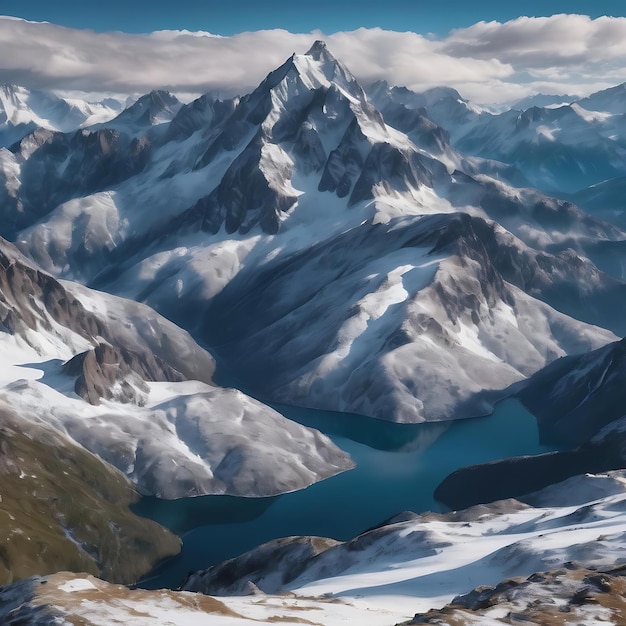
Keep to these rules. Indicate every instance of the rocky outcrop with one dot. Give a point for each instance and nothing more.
(569, 595)
(32, 300)
(268, 568)
(117, 374)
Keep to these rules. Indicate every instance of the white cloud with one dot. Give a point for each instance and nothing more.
(542, 41)
(487, 62)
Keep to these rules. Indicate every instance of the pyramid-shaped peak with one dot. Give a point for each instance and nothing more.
(319, 61)
(319, 51)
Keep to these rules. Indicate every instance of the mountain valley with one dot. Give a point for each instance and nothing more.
(173, 273)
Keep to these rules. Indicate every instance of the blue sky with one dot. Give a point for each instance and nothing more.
(227, 17)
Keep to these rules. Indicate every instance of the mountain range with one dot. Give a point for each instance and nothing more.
(315, 243)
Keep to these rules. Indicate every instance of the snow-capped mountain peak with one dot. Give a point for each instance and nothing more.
(318, 50)
(325, 63)
(24, 110)
(152, 109)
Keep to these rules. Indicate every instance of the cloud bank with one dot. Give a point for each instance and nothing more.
(489, 62)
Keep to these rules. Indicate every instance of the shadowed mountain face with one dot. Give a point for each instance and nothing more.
(519, 476)
(575, 397)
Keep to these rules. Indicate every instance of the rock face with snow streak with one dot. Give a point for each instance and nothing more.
(386, 320)
(156, 108)
(116, 374)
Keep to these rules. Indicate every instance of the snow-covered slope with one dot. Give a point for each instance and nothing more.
(23, 110)
(140, 394)
(559, 149)
(386, 320)
(414, 563)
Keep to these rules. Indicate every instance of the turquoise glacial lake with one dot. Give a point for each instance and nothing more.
(398, 467)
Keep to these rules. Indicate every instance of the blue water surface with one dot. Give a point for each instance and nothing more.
(398, 467)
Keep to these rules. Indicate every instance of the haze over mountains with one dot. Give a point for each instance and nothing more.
(375, 251)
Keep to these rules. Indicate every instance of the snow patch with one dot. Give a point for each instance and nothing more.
(76, 584)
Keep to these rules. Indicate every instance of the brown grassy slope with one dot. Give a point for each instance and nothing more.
(62, 508)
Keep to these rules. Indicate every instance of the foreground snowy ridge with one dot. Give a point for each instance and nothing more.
(388, 574)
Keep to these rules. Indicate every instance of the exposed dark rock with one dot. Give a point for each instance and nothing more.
(117, 374)
(571, 595)
(395, 169)
(346, 161)
(154, 348)
(30, 298)
(246, 196)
